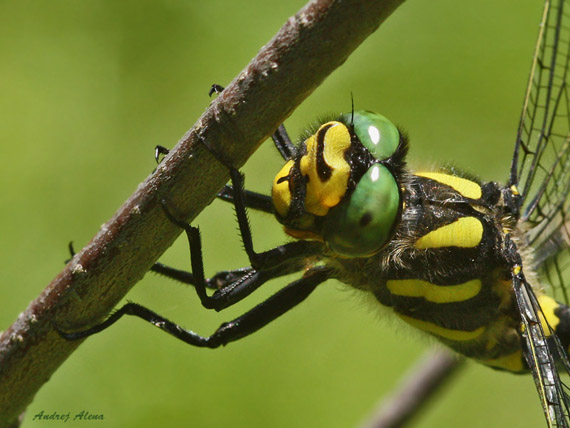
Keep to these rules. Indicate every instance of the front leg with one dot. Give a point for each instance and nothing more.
(234, 286)
(231, 286)
(253, 200)
(272, 258)
(258, 261)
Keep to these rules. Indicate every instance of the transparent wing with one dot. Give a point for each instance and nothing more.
(540, 172)
(541, 162)
(551, 390)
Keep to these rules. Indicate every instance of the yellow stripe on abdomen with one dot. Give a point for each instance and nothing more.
(465, 232)
(463, 186)
(432, 292)
(445, 333)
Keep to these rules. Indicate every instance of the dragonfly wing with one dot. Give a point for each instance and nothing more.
(541, 163)
(539, 357)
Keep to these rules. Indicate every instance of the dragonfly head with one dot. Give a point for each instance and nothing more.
(342, 187)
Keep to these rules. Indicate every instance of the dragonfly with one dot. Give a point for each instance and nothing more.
(466, 261)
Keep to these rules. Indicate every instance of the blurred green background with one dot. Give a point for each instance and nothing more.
(89, 88)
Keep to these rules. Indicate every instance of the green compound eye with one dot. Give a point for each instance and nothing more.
(361, 225)
(375, 132)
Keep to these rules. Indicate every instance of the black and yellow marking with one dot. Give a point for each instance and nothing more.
(449, 225)
(323, 174)
(465, 232)
(447, 221)
(432, 292)
(281, 191)
(463, 186)
(450, 278)
(321, 171)
(325, 168)
(449, 334)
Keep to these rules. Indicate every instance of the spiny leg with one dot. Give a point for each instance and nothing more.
(228, 281)
(253, 200)
(283, 143)
(253, 320)
(224, 282)
(236, 285)
(221, 280)
(257, 260)
(268, 259)
(231, 286)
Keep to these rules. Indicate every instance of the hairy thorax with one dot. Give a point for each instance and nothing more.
(444, 271)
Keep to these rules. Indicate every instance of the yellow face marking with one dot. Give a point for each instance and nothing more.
(280, 192)
(465, 232)
(463, 186)
(548, 306)
(515, 190)
(432, 292)
(511, 362)
(446, 333)
(323, 195)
